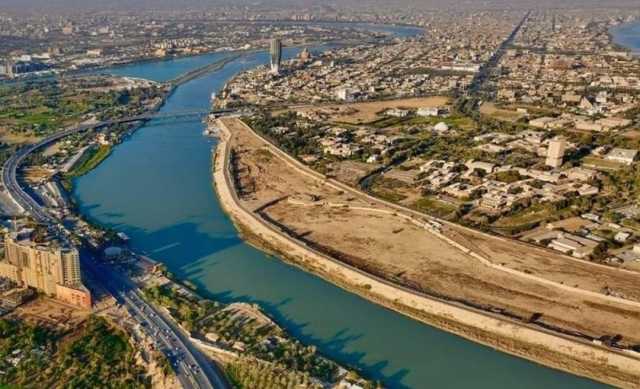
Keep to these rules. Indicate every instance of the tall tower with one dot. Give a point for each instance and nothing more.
(276, 55)
(555, 152)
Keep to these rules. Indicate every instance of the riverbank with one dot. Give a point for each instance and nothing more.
(626, 37)
(544, 347)
(243, 339)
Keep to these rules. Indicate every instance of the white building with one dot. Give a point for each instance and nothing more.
(555, 152)
(625, 156)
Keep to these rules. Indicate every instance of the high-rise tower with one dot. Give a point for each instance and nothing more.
(555, 152)
(276, 55)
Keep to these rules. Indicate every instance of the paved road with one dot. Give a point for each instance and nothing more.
(192, 368)
(482, 77)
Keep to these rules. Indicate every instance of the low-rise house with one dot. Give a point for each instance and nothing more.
(487, 167)
(624, 156)
(431, 111)
(574, 245)
(400, 113)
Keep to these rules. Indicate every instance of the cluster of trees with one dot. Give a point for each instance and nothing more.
(297, 141)
(187, 312)
(261, 340)
(44, 106)
(250, 373)
(96, 355)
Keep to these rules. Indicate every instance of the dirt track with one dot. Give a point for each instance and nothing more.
(389, 246)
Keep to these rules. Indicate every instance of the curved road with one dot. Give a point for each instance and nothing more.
(192, 368)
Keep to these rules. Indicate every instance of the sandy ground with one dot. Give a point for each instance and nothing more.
(372, 230)
(398, 250)
(368, 112)
(388, 246)
(490, 109)
(551, 265)
(51, 313)
(10, 138)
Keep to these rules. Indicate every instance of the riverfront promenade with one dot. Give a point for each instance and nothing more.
(183, 355)
(536, 344)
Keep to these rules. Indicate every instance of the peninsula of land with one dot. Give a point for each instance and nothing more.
(421, 267)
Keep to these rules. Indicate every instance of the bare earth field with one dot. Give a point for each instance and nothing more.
(496, 275)
(358, 113)
(50, 313)
(10, 138)
(398, 250)
(490, 109)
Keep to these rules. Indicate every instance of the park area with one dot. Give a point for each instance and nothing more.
(42, 354)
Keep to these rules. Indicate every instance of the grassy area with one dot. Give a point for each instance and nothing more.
(388, 189)
(90, 160)
(94, 356)
(494, 112)
(435, 207)
(527, 216)
(39, 109)
(601, 164)
(277, 354)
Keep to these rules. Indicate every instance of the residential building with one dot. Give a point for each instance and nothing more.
(555, 152)
(45, 266)
(625, 156)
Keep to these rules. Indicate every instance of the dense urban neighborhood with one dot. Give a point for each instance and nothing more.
(474, 168)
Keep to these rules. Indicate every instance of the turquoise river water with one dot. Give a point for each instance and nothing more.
(156, 187)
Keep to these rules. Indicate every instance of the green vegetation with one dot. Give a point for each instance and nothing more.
(387, 189)
(435, 207)
(245, 329)
(94, 356)
(601, 164)
(40, 108)
(509, 176)
(90, 160)
(249, 373)
(296, 141)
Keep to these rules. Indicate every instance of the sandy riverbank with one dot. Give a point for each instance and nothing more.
(542, 346)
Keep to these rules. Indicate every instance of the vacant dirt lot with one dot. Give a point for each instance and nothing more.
(490, 109)
(549, 264)
(51, 313)
(380, 242)
(358, 113)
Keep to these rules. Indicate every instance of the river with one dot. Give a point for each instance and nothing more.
(156, 187)
(627, 35)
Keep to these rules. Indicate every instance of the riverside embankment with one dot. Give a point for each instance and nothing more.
(542, 346)
(156, 188)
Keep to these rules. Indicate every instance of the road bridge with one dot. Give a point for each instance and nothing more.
(192, 368)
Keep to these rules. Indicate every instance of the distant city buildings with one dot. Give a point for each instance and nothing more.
(276, 55)
(32, 260)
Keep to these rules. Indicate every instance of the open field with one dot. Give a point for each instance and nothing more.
(601, 164)
(490, 110)
(545, 288)
(550, 264)
(393, 248)
(360, 113)
(9, 137)
(50, 313)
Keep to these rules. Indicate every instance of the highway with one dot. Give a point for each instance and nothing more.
(192, 368)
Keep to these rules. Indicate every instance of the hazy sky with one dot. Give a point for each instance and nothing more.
(57, 6)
